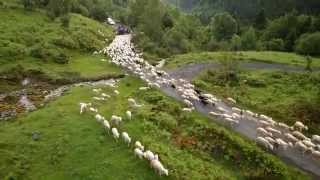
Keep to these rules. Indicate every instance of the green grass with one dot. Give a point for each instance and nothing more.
(263, 56)
(287, 97)
(74, 146)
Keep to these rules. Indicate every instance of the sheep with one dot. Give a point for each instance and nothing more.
(99, 118)
(126, 138)
(144, 88)
(158, 167)
(93, 109)
(106, 125)
(188, 103)
(263, 132)
(263, 123)
(116, 92)
(249, 113)
(222, 109)
(300, 126)
(308, 143)
(116, 119)
(187, 109)
(232, 122)
(270, 140)
(282, 143)
(148, 155)
(84, 106)
(236, 116)
(262, 141)
(115, 133)
(236, 110)
(301, 147)
(291, 138)
(316, 154)
(105, 95)
(96, 90)
(129, 115)
(274, 131)
(132, 102)
(231, 100)
(283, 126)
(138, 152)
(138, 144)
(316, 139)
(299, 135)
(214, 114)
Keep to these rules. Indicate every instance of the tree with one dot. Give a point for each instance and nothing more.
(260, 20)
(58, 8)
(28, 4)
(275, 45)
(223, 26)
(249, 39)
(236, 42)
(309, 63)
(309, 44)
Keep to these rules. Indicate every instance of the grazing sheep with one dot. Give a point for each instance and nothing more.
(282, 143)
(274, 131)
(270, 139)
(291, 138)
(263, 132)
(231, 122)
(158, 167)
(144, 88)
(93, 109)
(84, 106)
(301, 147)
(148, 155)
(237, 110)
(316, 139)
(283, 126)
(115, 133)
(138, 144)
(300, 126)
(138, 152)
(116, 120)
(232, 100)
(249, 113)
(263, 123)
(188, 103)
(99, 118)
(222, 109)
(236, 115)
(129, 115)
(316, 154)
(299, 135)
(308, 143)
(126, 138)
(187, 109)
(105, 95)
(96, 90)
(106, 125)
(262, 141)
(214, 114)
(116, 92)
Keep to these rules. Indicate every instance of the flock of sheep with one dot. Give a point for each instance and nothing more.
(270, 134)
(115, 122)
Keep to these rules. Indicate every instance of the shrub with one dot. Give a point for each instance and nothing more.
(309, 44)
(61, 58)
(275, 45)
(65, 20)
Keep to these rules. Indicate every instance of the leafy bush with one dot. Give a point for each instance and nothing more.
(275, 45)
(309, 44)
(65, 20)
(223, 26)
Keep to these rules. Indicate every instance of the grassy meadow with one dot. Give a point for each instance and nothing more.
(260, 56)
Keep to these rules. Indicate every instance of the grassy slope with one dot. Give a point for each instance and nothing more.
(74, 146)
(264, 56)
(278, 96)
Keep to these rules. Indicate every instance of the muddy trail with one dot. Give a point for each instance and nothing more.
(247, 125)
(190, 71)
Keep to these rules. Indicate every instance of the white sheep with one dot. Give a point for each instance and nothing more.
(222, 109)
(138, 144)
(301, 147)
(105, 95)
(129, 115)
(316, 139)
(116, 92)
(187, 109)
(308, 143)
(232, 100)
(262, 141)
(231, 121)
(274, 131)
(144, 88)
(126, 138)
(263, 132)
(300, 126)
(214, 114)
(84, 106)
(299, 135)
(138, 152)
(148, 155)
(93, 109)
(158, 167)
(115, 133)
(116, 119)
(106, 125)
(188, 103)
(316, 154)
(291, 138)
(99, 118)
(283, 126)
(236, 110)
(282, 143)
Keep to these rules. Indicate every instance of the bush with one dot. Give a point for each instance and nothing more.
(61, 58)
(65, 20)
(308, 44)
(275, 45)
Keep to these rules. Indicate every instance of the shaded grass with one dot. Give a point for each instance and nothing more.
(74, 146)
(263, 56)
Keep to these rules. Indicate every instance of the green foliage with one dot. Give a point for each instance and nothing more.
(223, 26)
(28, 4)
(236, 43)
(65, 21)
(260, 20)
(309, 44)
(275, 45)
(58, 8)
(249, 39)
